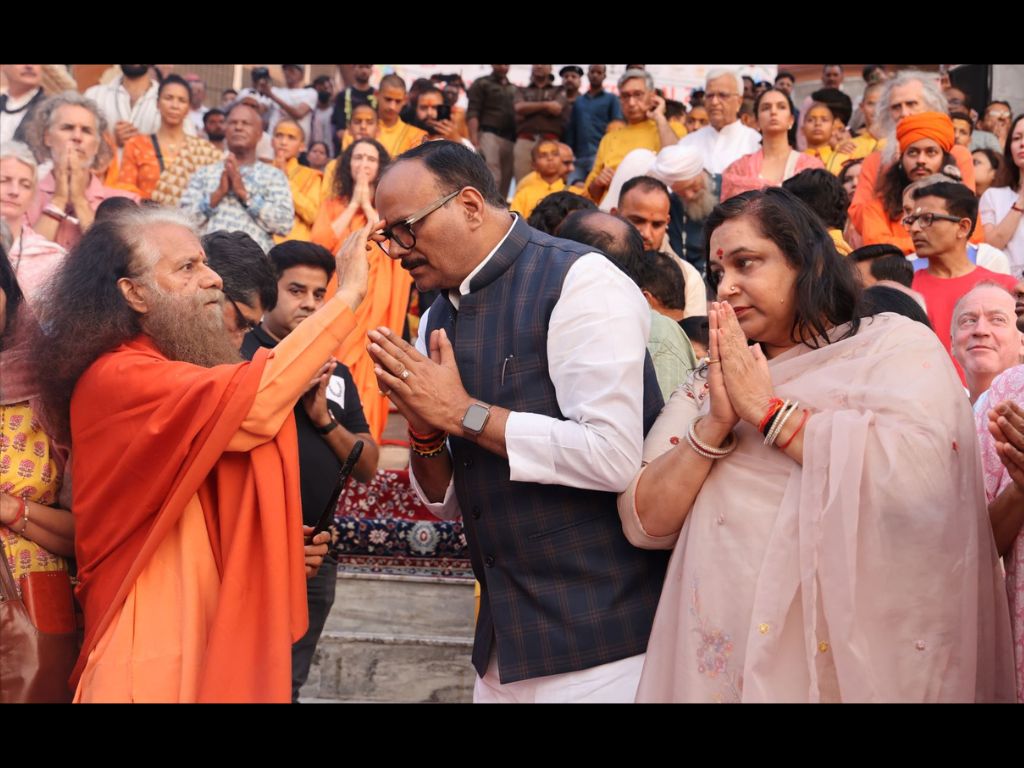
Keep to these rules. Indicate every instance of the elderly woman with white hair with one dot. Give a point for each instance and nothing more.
(33, 256)
(67, 134)
(911, 92)
(725, 139)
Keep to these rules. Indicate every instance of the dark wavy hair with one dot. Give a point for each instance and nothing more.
(344, 184)
(83, 314)
(827, 288)
(894, 180)
(11, 290)
(1009, 174)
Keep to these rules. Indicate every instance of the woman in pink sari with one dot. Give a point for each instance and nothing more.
(777, 160)
(821, 490)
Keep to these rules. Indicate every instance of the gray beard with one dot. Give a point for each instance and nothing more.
(701, 208)
(187, 331)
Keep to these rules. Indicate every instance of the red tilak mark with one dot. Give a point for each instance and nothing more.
(719, 252)
(674, 440)
(956, 447)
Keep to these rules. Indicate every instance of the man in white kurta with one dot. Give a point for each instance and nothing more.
(725, 139)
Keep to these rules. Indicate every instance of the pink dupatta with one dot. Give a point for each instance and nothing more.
(868, 574)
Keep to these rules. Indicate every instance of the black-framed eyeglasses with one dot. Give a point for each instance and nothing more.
(401, 231)
(241, 321)
(927, 219)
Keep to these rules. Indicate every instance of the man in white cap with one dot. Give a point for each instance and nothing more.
(694, 194)
(725, 139)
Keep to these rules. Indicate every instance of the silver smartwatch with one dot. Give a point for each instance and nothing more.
(476, 418)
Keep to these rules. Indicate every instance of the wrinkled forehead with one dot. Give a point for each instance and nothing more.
(163, 245)
(406, 187)
(987, 300)
(73, 114)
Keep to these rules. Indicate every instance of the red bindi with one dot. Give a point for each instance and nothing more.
(719, 252)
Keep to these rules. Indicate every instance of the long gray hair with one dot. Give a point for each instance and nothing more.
(933, 99)
(44, 119)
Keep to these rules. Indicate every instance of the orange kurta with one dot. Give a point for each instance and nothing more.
(871, 171)
(386, 303)
(305, 185)
(399, 137)
(188, 518)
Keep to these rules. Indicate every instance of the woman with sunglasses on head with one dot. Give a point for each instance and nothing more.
(821, 492)
(348, 208)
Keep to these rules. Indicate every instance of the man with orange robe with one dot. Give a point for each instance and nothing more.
(909, 93)
(189, 536)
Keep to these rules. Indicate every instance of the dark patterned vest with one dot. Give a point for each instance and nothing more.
(562, 588)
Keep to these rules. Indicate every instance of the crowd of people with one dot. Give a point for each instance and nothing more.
(728, 395)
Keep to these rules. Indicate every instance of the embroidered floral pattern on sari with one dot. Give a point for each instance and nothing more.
(713, 653)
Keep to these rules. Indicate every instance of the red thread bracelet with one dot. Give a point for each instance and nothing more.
(774, 406)
(785, 445)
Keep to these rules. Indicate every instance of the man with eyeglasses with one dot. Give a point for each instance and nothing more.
(527, 397)
(329, 419)
(646, 128)
(725, 139)
(940, 225)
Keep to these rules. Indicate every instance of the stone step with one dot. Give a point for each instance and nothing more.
(354, 666)
(395, 639)
(411, 606)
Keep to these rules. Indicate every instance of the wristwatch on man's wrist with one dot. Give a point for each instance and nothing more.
(476, 418)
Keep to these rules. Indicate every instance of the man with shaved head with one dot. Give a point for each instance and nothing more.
(189, 536)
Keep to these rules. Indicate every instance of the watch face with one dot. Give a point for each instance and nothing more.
(475, 418)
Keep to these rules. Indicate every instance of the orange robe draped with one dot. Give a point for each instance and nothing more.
(386, 303)
(188, 520)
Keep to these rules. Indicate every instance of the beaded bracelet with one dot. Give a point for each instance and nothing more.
(428, 454)
(709, 451)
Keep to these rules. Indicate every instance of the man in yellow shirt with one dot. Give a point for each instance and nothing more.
(646, 128)
(394, 134)
(546, 177)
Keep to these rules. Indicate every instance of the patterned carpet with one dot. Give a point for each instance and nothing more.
(383, 528)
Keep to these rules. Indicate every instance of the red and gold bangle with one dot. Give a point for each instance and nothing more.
(799, 426)
(774, 406)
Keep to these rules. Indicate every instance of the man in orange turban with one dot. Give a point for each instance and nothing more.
(928, 125)
(925, 141)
